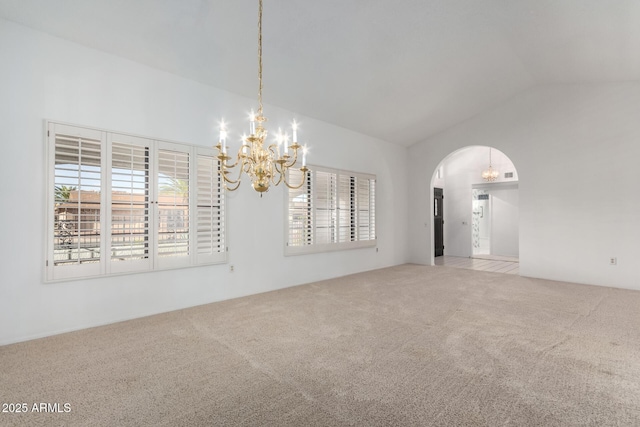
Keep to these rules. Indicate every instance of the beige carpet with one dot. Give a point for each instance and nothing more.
(408, 345)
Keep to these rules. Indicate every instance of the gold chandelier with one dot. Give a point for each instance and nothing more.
(264, 165)
(490, 174)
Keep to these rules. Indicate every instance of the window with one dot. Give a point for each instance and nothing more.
(333, 210)
(120, 203)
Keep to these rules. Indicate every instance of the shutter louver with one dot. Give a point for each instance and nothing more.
(77, 200)
(209, 209)
(372, 209)
(300, 211)
(325, 218)
(129, 202)
(173, 203)
(364, 209)
(346, 208)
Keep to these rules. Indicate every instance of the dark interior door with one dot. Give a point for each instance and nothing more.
(438, 222)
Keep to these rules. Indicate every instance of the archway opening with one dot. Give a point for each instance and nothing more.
(473, 217)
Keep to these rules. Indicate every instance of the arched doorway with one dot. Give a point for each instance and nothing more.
(472, 217)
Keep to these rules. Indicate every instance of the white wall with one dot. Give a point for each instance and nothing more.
(576, 148)
(43, 77)
(504, 220)
(457, 207)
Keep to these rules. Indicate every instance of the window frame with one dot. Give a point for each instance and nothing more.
(337, 243)
(105, 266)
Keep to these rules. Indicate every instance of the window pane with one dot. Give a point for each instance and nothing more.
(77, 200)
(173, 203)
(129, 202)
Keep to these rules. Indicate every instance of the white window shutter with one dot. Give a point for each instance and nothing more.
(76, 228)
(172, 204)
(325, 225)
(210, 211)
(300, 210)
(130, 196)
(341, 211)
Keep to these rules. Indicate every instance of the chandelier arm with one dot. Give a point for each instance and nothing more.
(272, 148)
(294, 158)
(228, 166)
(226, 179)
(280, 176)
(226, 187)
(295, 187)
(273, 170)
(224, 163)
(224, 172)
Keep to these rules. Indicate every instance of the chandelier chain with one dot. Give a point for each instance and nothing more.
(260, 58)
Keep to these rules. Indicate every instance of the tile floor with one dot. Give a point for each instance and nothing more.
(496, 264)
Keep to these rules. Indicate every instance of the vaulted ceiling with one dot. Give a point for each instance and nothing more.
(398, 70)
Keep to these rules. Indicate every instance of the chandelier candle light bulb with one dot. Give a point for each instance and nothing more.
(244, 146)
(252, 123)
(294, 126)
(223, 137)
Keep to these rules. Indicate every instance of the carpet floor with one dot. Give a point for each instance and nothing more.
(406, 345)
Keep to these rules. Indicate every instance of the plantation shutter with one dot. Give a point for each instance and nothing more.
(363, 197)
(347, 210)
(130, 204)
(210, 216)
(76, 202)
(173, 206)
(372, 209)
(334, 210)
(120, 203)
(325, 215)
(300, 210)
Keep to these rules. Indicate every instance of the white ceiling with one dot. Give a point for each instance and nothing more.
(398, 70)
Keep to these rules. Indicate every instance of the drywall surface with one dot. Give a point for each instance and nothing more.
(43, 77)
(576, 150)
(504, 220)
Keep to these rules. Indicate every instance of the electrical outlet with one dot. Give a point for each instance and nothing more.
(376, 249)
(613, 261)
(231, 269)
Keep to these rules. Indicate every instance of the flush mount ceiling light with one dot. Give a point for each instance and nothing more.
(490, 174)
(265, 165)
